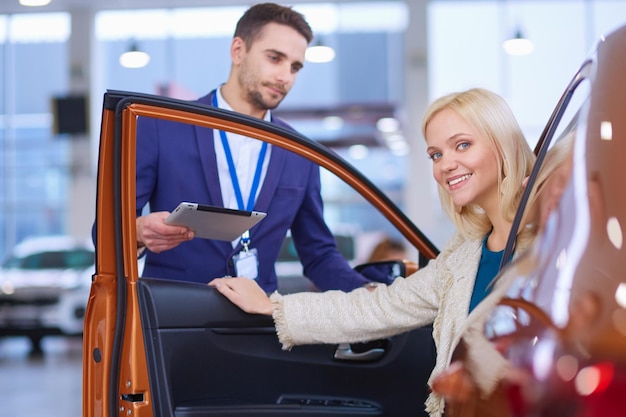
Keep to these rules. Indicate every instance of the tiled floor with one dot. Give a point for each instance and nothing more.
(41, 386)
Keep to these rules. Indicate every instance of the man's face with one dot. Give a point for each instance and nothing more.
(268, 70)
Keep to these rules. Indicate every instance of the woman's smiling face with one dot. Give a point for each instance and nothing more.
(463, 162)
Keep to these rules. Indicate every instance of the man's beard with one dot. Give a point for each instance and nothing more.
(256, 99)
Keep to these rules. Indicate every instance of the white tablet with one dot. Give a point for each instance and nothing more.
(210, 222)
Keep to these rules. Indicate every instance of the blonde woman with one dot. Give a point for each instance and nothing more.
(470, 383)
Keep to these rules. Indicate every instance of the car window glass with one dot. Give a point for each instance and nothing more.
(80, 258)
(569, 119)
(563, 123)
(76, 258)
(355, 223)
(508, 318)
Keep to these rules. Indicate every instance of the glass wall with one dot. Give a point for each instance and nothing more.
(189, 50)
(471, 54)
(34, 163)
(468, 52)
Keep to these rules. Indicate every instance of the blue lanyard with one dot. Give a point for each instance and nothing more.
(233, 172)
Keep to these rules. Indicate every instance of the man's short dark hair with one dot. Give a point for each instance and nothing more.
(251, 24)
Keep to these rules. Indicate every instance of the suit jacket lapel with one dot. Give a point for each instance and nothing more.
(206, 148)
(208, 160)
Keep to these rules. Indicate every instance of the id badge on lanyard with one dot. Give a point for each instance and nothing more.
(246, 262)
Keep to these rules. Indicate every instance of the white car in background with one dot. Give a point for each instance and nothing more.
(44, 287)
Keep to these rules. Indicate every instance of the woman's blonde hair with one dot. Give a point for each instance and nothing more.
(492, 118)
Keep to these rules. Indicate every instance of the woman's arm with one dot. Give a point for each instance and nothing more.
(337, 316)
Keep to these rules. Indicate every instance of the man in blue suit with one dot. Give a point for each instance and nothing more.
(178, 162)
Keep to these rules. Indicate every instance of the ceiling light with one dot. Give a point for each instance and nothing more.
(399, 148)
(387, 124)
(396, 142)
(332, 122)
(358, 151)
(518, 45)
(34, 3)
(134, 58)
(319, 53)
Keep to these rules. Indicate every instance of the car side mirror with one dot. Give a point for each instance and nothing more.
(386, 271)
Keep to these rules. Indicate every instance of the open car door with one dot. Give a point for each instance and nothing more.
(157, 347)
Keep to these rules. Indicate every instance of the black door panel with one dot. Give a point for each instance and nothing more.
(208, 358)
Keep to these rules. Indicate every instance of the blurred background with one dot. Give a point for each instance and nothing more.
(389, 60)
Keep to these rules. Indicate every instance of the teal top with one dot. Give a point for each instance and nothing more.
(487, 270)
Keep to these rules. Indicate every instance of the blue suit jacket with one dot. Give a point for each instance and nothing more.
(176, 162)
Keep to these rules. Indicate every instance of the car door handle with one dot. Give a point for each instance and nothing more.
(344, 352)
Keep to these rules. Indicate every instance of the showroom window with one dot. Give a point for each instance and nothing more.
(36, 165)
(34, 168)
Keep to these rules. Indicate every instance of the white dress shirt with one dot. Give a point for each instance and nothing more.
(245, 152)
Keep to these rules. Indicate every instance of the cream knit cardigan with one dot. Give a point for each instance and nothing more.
(438, 293)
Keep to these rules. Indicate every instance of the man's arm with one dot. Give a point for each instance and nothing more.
(322, 262)
(152, 232)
